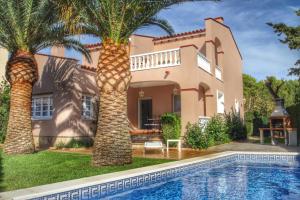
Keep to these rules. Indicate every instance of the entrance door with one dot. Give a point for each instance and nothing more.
(145, 113)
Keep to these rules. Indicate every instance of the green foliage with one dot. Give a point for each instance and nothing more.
(195, 137)
(4, 108)
(74, 143)
(60, 145)
(171, 126)
(292, 38)
(259, 103)
(294, 112)
(116, 20)
(217, 131)
(236, 127)
(257, 98)
(33, 25)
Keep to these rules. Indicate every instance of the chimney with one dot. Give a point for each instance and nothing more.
(220, 19)
(58, 51)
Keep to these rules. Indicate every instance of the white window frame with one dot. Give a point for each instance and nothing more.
(220, 110)
(48, 99)
(84, 107)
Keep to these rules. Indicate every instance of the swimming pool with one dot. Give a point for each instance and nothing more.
(236, 180)
(231, 175)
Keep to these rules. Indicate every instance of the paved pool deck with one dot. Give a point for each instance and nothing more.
(187, 153)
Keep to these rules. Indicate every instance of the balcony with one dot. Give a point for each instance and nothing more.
(203, 63)
(159, 59)
(218, 73)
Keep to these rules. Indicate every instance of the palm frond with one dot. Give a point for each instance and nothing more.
(32, 25)
(118, 19)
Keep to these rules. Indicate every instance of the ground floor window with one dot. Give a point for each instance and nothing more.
(220, 102)
(42, 107)
(88, 107)
(177, 103)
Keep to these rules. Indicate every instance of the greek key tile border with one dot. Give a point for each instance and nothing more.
(122, 185)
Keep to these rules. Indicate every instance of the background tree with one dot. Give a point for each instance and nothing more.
(274, 86)
(4, 108)
(114, 21)
(259, 103)
(26, 27)
(292, 38)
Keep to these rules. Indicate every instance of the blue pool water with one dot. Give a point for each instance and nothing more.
(234, 180)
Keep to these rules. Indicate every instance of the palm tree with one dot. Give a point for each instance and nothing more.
(114, 21)
(26, 27)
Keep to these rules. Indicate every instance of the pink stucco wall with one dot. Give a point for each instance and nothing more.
(198, 88)
(162, 101)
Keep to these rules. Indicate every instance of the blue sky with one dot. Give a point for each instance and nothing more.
(263, 55)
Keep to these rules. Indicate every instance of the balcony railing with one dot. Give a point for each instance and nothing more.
(153, 60)
(218, 73)
(203, 62)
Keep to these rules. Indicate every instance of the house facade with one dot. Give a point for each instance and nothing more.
(3, 60)
(195, 74)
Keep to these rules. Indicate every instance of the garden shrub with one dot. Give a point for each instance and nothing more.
(77, 143)
(4, 108)
(60, 145)
(195, 137)
(74, 143)
(217, 131)
(214, 133)
(171, 126)
(236, 127)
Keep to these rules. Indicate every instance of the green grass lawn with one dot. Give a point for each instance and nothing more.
(49, 167)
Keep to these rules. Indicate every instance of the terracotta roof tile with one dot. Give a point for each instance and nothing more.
(180, 34)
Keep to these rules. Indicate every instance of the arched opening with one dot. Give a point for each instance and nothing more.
(203, 94)
(148, 100)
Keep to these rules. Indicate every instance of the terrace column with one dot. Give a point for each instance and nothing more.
(190, 107)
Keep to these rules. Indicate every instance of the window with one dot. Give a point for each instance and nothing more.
(87, 107)
(220, 102)
(176, 103)
(42, 107)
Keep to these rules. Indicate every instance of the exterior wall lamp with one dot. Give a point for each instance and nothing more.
(141, 93)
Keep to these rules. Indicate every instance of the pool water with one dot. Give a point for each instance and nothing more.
(236, 180)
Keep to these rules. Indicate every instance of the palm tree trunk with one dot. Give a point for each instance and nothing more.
(21, 72)
(112, 144)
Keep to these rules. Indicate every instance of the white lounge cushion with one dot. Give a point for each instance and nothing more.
(154, 144)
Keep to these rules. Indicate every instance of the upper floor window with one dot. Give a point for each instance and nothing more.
(87, 107)
(42, 107)
(176, 103)
(220, 102)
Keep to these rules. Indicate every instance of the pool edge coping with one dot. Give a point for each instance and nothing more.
(74, 184)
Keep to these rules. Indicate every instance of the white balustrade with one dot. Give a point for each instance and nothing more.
(203, 62)
(159, 59)
(218, 72)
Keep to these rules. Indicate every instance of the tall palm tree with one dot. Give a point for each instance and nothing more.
(26, 27)
(114, 21)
